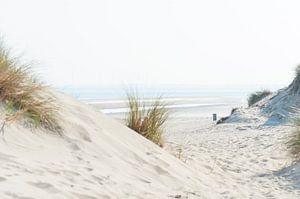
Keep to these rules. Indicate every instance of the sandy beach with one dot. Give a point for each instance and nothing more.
(98, 157)
(242, 159)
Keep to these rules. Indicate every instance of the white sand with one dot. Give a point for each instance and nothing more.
(97, 157)
(241, 159)
(247, 157)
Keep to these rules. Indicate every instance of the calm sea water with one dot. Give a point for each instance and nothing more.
(110, 100)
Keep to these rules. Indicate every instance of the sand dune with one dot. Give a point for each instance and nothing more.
(96, 157)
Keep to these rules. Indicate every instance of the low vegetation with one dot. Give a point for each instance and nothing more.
(180, 153)
(257, 96)
(147, 119)
(23, 97)
(294, 144)
(297, 70)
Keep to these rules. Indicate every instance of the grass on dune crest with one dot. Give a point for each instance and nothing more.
(147, 119)
(297, 70)
(257, 96)
(23, 97)
(294, 143)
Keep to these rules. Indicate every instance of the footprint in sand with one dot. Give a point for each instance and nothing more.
(160, 171)
(15, 196)
(2, 179)
(99, 180)
(45, 186)
(83, 196)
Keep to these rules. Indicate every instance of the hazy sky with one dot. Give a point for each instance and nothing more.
(100, 42)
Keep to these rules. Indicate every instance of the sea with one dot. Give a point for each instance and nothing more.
(203, 100)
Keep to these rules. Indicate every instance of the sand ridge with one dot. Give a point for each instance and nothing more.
(97, 157)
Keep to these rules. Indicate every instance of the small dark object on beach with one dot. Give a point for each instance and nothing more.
(215, 117)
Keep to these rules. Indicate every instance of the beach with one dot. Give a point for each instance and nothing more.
(243, 159)
(97, 156)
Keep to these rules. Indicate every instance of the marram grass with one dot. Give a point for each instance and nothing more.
(257, 96)
(294, 143)
(297, 70)
(147, 119)
(24, 98)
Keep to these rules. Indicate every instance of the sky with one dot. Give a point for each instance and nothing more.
(118, 42)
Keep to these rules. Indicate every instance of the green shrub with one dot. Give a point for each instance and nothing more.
(147, 121)
(23, 96)
(257, 96)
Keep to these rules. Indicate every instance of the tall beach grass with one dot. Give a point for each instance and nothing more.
(147, 119)
(257, 96)
(297, 70)
(294, 143)
(24, 97)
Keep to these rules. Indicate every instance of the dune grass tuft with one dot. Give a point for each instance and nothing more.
(257, 96)
(147, 119)
(297, 70)
(23, 97)
(294, 143)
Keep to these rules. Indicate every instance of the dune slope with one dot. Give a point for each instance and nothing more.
(96, 157)
(263, 131)
(276, 109)
(284, 103)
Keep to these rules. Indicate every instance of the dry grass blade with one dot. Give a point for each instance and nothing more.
(23, 97)
(294, 143)
(147, 120)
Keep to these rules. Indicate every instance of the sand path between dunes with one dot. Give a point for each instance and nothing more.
(241, 158)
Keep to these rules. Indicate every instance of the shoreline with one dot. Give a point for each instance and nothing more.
(204, 106)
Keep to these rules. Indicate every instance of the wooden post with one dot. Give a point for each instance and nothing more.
(215, 117)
